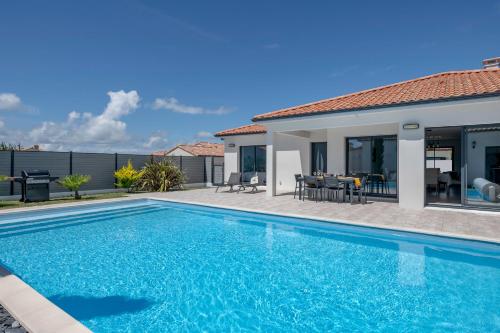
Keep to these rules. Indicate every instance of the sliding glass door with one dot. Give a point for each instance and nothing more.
(482, 187)
(374, 157)
(252, 160)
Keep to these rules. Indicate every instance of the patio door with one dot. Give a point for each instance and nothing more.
(482, 165)
(375, 158)
(252, 161)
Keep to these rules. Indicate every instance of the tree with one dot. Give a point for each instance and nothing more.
(74, 182)
(4, 146)
(127, 176)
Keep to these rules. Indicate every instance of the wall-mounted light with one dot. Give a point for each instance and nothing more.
(474, 144)
(231, 145)
(411, 126)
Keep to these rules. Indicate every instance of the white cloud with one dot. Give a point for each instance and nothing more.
(204, 134)
(9, 101)
(86, 129)
(172, 104)
(156, 141)
(2, 124)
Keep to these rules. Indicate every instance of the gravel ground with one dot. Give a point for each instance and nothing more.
(8, 324)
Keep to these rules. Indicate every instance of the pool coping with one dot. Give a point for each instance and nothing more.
(34, 311)
(39, 315)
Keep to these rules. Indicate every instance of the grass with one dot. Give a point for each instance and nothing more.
(17, 204)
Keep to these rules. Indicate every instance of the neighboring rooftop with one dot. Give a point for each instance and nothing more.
(197, 149)
(433, 88)
(247, 129)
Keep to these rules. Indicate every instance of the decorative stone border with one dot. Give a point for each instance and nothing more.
(9, 324)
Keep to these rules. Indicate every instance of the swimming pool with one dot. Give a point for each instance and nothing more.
(149, 265)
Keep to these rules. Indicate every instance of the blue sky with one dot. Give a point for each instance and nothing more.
(142, 75)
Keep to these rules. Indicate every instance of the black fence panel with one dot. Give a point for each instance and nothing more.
(101, 167)
(5, 171)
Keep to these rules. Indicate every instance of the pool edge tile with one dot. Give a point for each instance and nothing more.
(33, 310)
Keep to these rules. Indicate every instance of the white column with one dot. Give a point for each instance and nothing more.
(411, 168)
(271, 164)
(336, 151)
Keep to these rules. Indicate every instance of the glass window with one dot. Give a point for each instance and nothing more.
(318, 158)
(376, 159)
(252, 160)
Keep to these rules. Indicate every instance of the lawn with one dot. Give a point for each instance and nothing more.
(16, 204)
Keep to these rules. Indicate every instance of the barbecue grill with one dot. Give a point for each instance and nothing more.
(35, 185)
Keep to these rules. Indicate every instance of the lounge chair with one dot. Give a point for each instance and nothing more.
(234, 180)
(258, 180)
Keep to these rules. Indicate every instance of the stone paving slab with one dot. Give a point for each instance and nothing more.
(460, 223)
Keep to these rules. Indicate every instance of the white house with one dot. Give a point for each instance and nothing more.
(433, 140)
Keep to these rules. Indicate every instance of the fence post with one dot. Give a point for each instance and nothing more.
(12, 171)
(205, 170)
(70, 162)
(116, 167)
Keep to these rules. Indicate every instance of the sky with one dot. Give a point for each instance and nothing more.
(144, 75)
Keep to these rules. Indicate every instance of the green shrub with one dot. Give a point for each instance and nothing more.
(74, 182)
(160, 176)
(127, 176)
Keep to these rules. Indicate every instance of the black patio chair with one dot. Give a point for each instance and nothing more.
(360, 191)
(298, 184)
(333, 187)
(312, 186)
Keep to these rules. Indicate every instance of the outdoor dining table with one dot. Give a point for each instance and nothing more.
(346, 180)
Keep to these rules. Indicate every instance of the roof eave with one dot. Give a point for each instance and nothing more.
(236, 134)
(440, 100)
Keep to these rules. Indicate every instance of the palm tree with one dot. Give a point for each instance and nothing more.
(74, 182)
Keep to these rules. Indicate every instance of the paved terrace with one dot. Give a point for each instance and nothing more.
(456, 223)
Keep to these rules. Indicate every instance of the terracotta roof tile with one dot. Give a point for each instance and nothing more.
(437, 87)
(198, 149)
(248, 129)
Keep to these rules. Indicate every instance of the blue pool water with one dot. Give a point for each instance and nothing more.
(157, 266)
